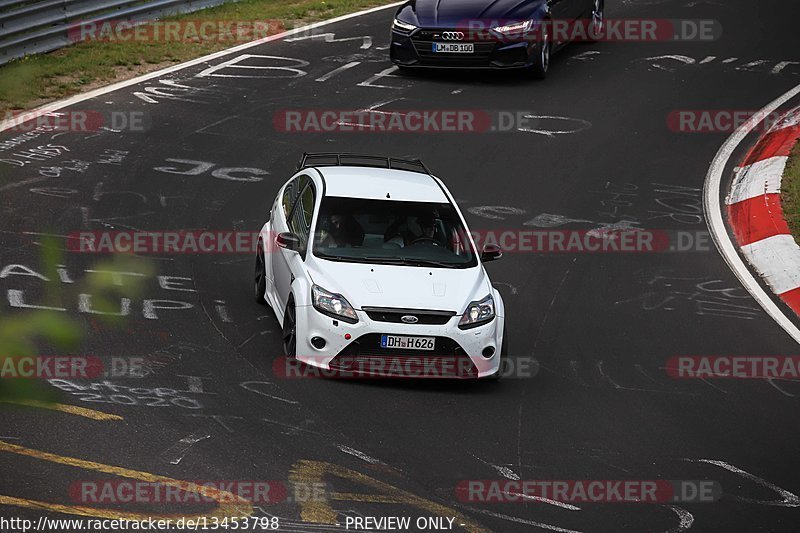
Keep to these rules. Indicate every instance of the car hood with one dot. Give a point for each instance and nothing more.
(445, 289)
(452, 13)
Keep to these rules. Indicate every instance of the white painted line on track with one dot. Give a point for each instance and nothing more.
(716, 224)
(686, 519)
(178, 451)
(787, 499)
(60, 104)
(366, 40)
(356, 453)
(541, 499)
(504, 471)
(339, 70)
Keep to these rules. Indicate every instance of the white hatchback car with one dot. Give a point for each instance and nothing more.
(370, 269)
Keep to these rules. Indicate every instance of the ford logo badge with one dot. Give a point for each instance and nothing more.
(409, 319)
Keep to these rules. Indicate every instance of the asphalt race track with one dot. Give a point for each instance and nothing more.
(601, 326)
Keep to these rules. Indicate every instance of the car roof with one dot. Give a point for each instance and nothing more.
(376, 183)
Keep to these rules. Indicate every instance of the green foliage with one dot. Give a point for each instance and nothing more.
(38, 332)
(790, 192)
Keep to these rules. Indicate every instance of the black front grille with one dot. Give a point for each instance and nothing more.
(371, 344)
(479, 57)
(470, 36)
(423, 44)
(365, 356)
(394, 315)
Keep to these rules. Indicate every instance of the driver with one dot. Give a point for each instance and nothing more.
(427, 226)
(408, 230)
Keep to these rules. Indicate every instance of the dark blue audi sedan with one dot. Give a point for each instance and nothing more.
(491, 34)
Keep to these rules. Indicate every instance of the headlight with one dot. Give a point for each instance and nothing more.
(517, 28)
(333, 305)
(403, 26)
(477, 313)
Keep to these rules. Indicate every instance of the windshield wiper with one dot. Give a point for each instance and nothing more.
(409, 261)
(345, 258)
(430, 262)
(389, 260)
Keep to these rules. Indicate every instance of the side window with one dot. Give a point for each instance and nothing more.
(306, 205)
(289, 196)
(300, 220)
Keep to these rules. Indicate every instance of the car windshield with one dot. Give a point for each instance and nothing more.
(392, 232)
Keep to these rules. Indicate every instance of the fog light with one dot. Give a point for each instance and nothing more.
(488, 352)
(318, 342)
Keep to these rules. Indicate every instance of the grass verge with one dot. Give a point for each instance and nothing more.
(790, 192)
(36, 80)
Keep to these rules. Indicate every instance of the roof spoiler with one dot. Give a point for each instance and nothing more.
(335, 159)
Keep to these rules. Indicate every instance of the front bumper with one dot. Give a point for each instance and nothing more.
(415, 50)
(458, 353)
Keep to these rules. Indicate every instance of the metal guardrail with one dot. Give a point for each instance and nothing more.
(30, 27)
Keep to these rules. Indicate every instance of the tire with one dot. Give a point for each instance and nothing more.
(289, 332)
(260, 283)
(538, 71)
(503, 353)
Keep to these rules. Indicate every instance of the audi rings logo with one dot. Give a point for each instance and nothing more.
(453, 35)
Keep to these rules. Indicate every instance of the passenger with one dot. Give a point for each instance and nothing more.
(342, 230)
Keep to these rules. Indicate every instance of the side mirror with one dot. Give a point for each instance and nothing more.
(491, 252)
(288, 241)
